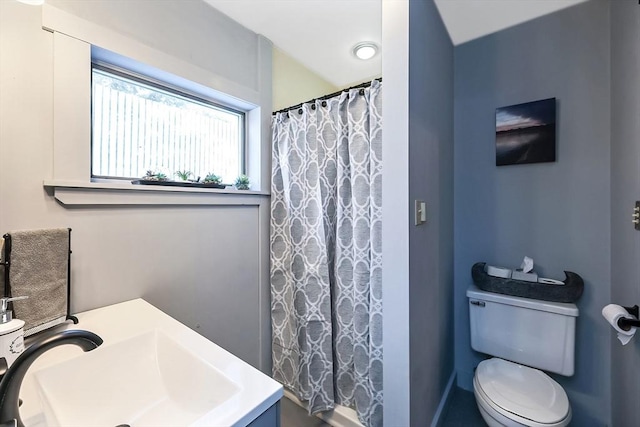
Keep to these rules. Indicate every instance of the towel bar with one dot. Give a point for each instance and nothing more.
(7, 268)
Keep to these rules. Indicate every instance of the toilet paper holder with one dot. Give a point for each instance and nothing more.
(627, 324)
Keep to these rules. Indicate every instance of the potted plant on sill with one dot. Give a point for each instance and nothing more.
(213, 180)
(183, 175)
(242, 182)
(154, 176)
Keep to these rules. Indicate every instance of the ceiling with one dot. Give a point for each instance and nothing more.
(320, 34)
(469, 19)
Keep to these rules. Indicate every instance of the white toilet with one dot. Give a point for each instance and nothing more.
(523, 334)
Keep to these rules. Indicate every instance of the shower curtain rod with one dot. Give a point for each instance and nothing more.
(331, 95)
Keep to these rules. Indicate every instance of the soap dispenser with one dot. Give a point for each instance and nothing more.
(11, 332)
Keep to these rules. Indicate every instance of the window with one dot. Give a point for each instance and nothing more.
(138, 125)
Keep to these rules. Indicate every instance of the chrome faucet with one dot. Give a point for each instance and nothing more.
(12, 379)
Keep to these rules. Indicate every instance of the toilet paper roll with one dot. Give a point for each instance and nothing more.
(503, 273)
(613, 313)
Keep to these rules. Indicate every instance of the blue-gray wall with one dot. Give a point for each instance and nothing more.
(430, 179)
(625, 189)
(417, 278)
(558, 213)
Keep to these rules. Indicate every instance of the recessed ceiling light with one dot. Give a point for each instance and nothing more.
(32, 2)
(365, 50)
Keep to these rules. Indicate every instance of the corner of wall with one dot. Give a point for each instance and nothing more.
(441, 411)
(294, 83)
(395, 213)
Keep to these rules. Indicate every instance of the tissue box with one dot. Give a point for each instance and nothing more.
(527, 277)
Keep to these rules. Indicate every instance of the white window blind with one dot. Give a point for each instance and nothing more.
(138, 126)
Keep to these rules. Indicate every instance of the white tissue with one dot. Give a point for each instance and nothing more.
(613, 313)
(527, 265)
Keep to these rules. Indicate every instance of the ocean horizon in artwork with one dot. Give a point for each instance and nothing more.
(526, 133)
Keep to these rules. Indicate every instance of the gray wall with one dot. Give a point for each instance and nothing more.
(204, 265)
(625, 190)
(558, 213)
(187, 29)
(431, 180)
(418, 156)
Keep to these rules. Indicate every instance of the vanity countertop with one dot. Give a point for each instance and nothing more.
(253, 392)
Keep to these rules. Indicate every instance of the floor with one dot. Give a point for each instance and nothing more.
(292, 415)
(462, 411)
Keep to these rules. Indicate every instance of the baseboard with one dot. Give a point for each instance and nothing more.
(338, 417)
(465, 379)
(438, 418)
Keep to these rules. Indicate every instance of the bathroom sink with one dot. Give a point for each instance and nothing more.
(148, 380)
(151, 370)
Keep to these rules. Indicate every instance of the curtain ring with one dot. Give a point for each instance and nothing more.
(324, 103)
(300, 111)
(361, 91)
(313, 106)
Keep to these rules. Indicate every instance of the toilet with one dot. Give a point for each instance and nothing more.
(526, 337)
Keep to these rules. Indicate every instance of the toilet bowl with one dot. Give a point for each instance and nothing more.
(513, 395)
(526, 337)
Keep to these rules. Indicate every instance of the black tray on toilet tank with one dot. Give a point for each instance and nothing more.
(571, 291)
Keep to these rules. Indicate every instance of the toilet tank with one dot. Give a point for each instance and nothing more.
(539, 334)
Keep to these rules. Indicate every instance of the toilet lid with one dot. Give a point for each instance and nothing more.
(523, 391)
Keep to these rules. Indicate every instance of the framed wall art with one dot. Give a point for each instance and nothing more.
(526, 133)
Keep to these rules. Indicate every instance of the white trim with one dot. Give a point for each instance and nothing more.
(76, 39)
(341, 416)
(438, 418)
(57, 20)
(396, 327)
(71, 108)
(127, 186)
(101, 193)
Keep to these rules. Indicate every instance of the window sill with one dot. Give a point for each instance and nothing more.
(110, 193)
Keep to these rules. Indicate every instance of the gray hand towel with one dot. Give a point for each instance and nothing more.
(39, 269)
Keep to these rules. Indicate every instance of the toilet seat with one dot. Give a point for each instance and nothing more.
(521, 394)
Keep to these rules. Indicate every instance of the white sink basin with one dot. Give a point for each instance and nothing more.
(151, 370)
(148, 380)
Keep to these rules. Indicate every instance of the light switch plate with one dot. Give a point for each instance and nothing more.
(420, 212)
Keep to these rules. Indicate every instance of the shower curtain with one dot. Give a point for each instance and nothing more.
(326, 252)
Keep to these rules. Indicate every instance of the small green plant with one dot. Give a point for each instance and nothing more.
(212, 178)
(154, 176)
(183, 175)
(242, 182)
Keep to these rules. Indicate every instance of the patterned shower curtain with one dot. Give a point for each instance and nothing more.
(326, 252)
